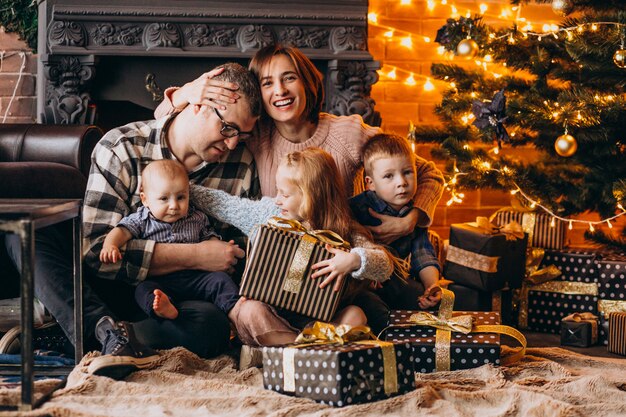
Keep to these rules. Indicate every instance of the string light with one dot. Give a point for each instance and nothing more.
(428, 85)
(484, 166)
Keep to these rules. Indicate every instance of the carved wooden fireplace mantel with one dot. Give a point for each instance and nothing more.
(113, 51)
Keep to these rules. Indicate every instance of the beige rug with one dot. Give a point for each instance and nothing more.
(549, 382)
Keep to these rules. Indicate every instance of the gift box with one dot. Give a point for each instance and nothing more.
(566, 283)
(471, 299)
(484, 258)
(278, 270)
(550, 301)
(605, 309)
(612, 276)
(579, 330)
(576, 265)
(340, 374)
(466, 350)
(617, 333)
(538, 225)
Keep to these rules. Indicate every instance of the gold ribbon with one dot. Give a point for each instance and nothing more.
(320, 332)
(560, 287)
(472, 260)
(326, 333)
(324, 236)
(534, 276)
(585, 318)
(461, 324)
(606, 307)
(300, 261)
(529, 218)
(511, 230)
(446, 324)
(567, 287)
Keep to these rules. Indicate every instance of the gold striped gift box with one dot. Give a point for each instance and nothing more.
(278, 272)
(541, 232)
(617, 333)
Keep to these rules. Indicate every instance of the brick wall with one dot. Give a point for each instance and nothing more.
(399, 103)
(23, 107)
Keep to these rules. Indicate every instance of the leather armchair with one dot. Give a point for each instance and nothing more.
(42, 161)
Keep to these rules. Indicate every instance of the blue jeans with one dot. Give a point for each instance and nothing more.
(200, 327)
(215, 287)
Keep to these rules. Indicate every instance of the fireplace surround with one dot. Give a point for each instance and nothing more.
(109, 61)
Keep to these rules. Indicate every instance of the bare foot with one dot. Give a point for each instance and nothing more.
(163, 307)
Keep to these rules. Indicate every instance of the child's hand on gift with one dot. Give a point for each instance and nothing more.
(110, 254)
(336, 268)
(430, 298)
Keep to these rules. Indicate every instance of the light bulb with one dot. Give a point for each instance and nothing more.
(372, 17)
(591, 229)
(552, 222)
(428, 85)
(608, 223)
(570, 227)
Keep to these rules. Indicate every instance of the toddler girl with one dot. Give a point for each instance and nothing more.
(309, 189)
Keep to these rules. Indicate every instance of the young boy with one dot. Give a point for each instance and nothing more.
(390, 177)
(167, 217)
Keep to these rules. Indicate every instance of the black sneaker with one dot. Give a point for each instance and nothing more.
(48, 338)
(122, 354)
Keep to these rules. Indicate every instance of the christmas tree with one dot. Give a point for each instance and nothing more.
(559, 89)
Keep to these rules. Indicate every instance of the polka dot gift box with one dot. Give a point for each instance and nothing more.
(575, 265)
(612, 273)
(466, 350)
(574, 291)
(340, 375)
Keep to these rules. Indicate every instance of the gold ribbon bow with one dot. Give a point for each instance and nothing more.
(325, 236)
(446, 324)
(320, 332)
(461, 324)
(326, 333)
(534, 277)
(511, 230)
(300, 262)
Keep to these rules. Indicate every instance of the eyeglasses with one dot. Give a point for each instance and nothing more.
(230, 131)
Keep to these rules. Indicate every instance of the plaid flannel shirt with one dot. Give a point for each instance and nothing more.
(114, 184)
(415, 244)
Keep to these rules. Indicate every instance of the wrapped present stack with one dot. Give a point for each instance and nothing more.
(278, 270)
(484, 262)
(339, 366)
(451, 340)
(612, 276)
(558, 283)
(486, 257)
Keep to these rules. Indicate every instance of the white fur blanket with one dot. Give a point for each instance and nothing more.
(548, 382)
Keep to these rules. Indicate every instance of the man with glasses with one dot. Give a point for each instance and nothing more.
(204, 140)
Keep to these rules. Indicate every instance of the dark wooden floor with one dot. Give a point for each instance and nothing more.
(554, 340)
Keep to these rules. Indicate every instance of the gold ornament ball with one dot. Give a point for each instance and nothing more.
(562, 7)
(619, 57)
(565, 145)
(467, 48)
